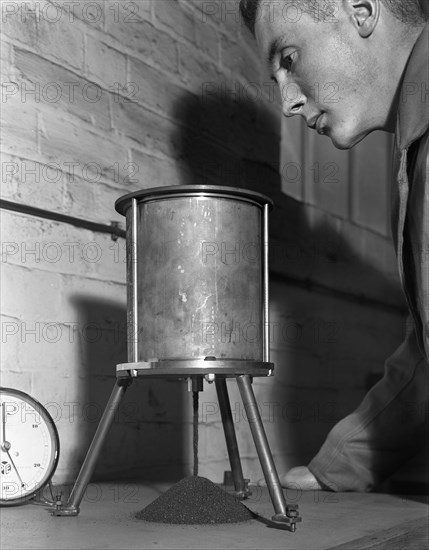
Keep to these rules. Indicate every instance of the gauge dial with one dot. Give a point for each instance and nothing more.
(29, 446)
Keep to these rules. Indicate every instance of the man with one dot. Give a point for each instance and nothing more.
(377, 52)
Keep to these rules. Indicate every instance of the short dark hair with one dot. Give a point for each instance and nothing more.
(407, 11)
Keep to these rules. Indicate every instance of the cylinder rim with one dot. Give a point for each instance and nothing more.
(176, 191)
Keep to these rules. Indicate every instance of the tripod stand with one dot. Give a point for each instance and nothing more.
(195, 254)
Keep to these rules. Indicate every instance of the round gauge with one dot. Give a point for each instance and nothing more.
(29, 447)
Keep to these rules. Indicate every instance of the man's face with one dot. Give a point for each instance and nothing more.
(325, 72)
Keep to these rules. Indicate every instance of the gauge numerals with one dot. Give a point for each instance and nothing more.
(29, 446)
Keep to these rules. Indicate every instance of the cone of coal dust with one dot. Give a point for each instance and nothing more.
(195, 500)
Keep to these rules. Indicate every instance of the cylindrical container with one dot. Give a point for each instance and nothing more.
(196, 274)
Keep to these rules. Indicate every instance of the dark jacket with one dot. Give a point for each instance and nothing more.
(410, 193)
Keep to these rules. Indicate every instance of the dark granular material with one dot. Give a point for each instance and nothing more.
(195, 500)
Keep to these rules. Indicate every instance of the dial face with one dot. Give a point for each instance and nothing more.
(29, 446)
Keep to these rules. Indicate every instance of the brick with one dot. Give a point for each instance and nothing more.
(19, 21)
(370, 183)
(231, 108)
(206, 12)
(82, 295)
(9, 179)
(263, 147)
(5, 61)
(105, 64)
(19, 125)
(61, 40)
(247, 39)
(10, 343)
(231, 20)
(95, 157)
(208, 162)
(127, 12)
(111, 265)
(239, 118)
(154, 172)
(145, 40)
(365, 249)
(51, 350)
(217, 112)
(92, 202)
(156, 91)
(222, 13)
(49, 246)
(207, 40)
(156, 133)
(237, 58)
(62, 401)
(105, 202)
(51, 86)
(80, 199)
(22, 301)
(31, 182)
(16, 380)
(172, 14)
(195, 70)
(108, 346)
(326, 328)
(90, 12)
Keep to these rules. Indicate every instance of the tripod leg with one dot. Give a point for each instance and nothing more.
(81, 483)
(284, 514)
(240, 485)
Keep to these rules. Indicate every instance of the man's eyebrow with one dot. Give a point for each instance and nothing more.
(274, 46)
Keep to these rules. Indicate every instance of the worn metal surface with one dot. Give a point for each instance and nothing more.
(200, 277)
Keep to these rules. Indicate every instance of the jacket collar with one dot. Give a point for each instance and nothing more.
(413, 111)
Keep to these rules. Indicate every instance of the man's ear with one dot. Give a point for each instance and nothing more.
(364, 15)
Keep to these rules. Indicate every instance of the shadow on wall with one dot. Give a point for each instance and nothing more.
(236, 143)
(147, 438)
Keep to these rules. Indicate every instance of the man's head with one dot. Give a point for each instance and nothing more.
(338, 63)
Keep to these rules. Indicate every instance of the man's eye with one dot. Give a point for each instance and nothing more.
(286, 62)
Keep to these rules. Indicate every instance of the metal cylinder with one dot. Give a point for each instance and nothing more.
(199, 278)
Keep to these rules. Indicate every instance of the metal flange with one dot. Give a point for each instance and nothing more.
(181, 368)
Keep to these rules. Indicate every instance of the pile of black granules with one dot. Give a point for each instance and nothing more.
(195, 500)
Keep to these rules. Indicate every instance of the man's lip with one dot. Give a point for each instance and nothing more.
(312, 123)
(319, 125)
(315, 123)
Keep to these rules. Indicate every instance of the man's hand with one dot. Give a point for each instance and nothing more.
(298, 478)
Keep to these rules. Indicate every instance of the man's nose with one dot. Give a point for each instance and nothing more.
(293, 100)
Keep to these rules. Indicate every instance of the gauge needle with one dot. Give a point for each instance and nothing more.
(6, 445)
(3, 406)
(16, 470)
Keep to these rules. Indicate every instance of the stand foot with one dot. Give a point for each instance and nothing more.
(66, 511)
(76, 495)
(287, 515)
